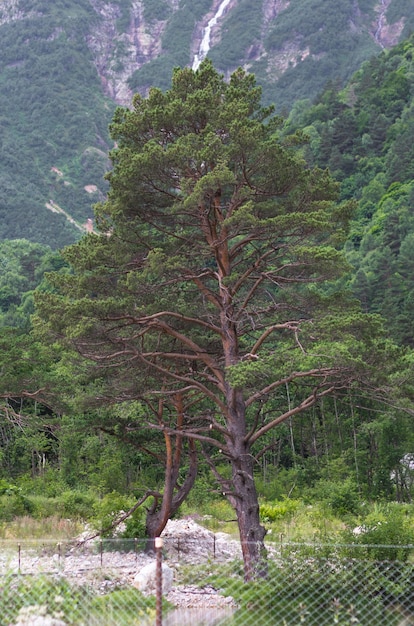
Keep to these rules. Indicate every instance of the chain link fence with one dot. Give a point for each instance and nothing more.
(115, 582)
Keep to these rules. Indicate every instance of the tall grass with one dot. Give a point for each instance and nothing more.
(50, 528)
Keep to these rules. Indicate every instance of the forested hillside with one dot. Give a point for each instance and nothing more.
(54, 119)
(65, 64)
(365, 135)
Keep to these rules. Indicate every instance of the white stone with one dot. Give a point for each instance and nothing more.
(146, 579)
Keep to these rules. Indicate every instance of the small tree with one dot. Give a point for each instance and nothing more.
(203, 282)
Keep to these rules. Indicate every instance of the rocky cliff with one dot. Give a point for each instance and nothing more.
(118, 55)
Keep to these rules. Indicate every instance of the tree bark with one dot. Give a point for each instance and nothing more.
(246, 505)
(172, 497)
(243, 496)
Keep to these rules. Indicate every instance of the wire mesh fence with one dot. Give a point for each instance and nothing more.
(116, 582)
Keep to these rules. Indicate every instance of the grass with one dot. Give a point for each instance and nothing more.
(32, 598)
(308, 523)
(52, 528)
(309, 581)
(311, 589)
(303, 523)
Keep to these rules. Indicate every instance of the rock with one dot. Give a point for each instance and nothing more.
(146, 580)
(185, 538)
(188, 541)
(36, 615)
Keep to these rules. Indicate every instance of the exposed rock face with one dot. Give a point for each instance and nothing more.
(272, 8)
(117, 55)
(11, 11)
(386, 35)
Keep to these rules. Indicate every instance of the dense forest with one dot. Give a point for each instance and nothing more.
(54, 139)
(65, 447)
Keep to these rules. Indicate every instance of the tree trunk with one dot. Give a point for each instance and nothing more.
(172, 497)
(246, 506)
(243, 496)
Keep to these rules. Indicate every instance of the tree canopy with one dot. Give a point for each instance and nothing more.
(211, 283)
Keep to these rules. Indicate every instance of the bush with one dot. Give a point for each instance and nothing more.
(42, 506)
(76, 504)
(135, 525)
(385, 534)
(342, 497)
(49, 484)
(202, 493)
(13, 505)
(61, 601)
(307, 589)
(107, 510)
(279, 510)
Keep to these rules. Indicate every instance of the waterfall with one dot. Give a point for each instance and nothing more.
(380, 24)
(205, 42)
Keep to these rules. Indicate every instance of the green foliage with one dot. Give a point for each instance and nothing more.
(176, 43)
(270, 512)
(43, 135)
(13, 503)
(363, 134)
(126, 602)
(386, 533)
(23, 266)
(76, 504)
(56, 598)
(328, 50)
(203, 492)
(200, 225)
(305, 587)
(54, 141)
(8, 489)
(48, 484)
(108, 510)
(156, 10)
(343, 497)
(243, 29)
(135, 525)
(35, 598)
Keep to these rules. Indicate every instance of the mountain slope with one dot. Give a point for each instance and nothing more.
(64, 65)
(364, 134)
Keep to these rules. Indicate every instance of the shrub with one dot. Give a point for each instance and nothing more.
(76, 504)
(49, 484)
(279, 510)
(107, 510)
(307, 589)
(385, 534)
(13, 502)
(135, 525)
(43, 506)
(342, 497)
(58, 600)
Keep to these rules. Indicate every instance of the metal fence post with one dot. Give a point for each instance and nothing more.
(158, 583)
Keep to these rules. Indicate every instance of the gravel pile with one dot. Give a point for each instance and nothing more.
(185, 542)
